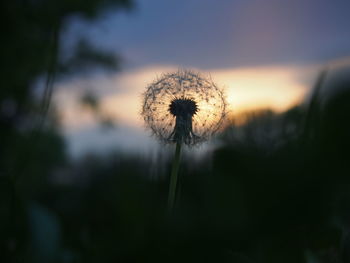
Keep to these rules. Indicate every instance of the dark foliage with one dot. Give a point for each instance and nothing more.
(277, 191)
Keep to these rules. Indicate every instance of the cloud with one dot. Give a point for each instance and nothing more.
(224, 34)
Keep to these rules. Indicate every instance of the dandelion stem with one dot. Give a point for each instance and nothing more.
(173, 177)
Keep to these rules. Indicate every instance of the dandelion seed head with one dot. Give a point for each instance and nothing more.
(183, 107)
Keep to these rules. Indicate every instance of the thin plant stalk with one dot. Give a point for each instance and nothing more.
(173, 177)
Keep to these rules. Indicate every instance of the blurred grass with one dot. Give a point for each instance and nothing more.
(270, 196)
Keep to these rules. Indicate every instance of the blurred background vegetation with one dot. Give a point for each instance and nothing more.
(275, 189)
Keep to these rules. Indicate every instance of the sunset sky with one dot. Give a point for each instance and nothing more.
(265, 53)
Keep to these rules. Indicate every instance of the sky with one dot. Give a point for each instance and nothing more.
(264, 53)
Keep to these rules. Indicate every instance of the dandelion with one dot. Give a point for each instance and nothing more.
(183, 108)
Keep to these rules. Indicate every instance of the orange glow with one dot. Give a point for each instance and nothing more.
(275, 88)
(247, 89)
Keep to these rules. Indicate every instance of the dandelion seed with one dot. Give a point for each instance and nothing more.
(185, 106)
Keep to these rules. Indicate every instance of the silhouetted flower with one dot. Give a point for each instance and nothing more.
(183, 107)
